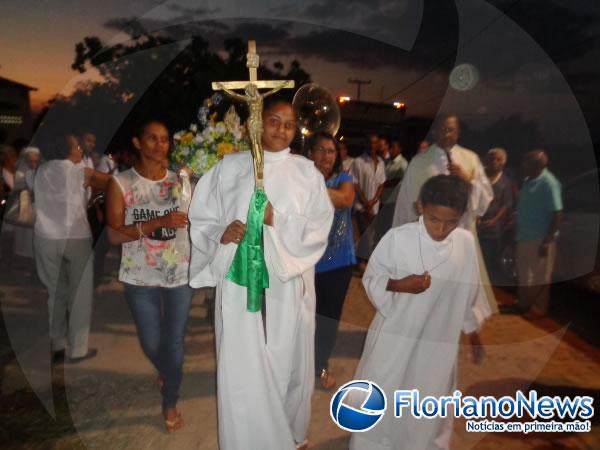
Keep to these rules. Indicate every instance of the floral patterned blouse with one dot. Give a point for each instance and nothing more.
(162, 258)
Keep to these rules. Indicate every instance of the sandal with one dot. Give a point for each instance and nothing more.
(327, 380)
(173, 424)
(303, 445)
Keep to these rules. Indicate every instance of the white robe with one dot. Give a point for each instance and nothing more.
(434, 162)
(413, 339)
(263, 389)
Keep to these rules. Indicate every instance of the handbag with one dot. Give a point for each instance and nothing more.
(20, 210)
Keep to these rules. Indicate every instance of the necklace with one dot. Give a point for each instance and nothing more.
(438, 264)
(495, 179)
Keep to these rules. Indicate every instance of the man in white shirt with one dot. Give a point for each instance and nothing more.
(384, 149)
(88, 145)
(347, 161)
(394, 170)
(369, 178)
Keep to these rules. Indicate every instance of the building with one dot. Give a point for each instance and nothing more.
(359, 118)
(15, 110)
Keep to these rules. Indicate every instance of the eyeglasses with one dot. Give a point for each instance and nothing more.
(319, 148)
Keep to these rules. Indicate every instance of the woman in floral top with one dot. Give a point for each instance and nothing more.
(143, 216)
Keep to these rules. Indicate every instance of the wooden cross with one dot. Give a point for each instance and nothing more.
(252, 63)
(254, 99)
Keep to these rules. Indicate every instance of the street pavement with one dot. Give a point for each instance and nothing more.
(114, 401)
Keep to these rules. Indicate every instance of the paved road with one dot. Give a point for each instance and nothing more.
(114, 401)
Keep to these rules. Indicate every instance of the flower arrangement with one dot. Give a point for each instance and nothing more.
(201, 149)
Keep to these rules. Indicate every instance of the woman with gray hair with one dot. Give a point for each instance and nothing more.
(492, 224)
(26, 167)
(63, 244)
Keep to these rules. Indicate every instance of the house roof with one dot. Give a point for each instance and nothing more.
(11, 83)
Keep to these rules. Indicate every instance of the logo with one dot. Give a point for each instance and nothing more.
(366, 416)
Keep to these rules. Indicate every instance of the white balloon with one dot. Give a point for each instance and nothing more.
(316, 110)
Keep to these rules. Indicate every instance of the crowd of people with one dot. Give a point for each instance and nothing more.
(430, 231)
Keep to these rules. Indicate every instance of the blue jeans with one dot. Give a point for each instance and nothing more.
(161, 315)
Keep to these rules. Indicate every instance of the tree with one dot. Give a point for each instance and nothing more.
(152, 75)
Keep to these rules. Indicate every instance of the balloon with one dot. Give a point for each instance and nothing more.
(316, 110)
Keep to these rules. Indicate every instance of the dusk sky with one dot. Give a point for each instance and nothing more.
(539, 59)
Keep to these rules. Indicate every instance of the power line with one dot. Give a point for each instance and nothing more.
(358, 83)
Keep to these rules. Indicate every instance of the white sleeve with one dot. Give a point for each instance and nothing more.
(206, 228)
(478, 308)
(482, 193)
(296, 241)
(355, 171)
(104, 165)
(404, 211)
(384, 264)
(380, 174)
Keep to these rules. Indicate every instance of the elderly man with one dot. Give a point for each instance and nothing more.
(493, 223)
(539, 214)
(445, 156)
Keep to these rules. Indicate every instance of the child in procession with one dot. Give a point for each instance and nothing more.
(423, 279)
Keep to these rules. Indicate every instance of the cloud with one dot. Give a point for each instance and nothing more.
(337, 8)
(495, 44)
(271, 34)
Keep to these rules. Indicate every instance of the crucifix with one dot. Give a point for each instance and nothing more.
(248, 267)
(254, 100)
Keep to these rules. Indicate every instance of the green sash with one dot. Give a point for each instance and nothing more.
(248, 267)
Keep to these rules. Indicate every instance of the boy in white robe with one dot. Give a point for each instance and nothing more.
(265, 371)
(423, 279)
(445, 156)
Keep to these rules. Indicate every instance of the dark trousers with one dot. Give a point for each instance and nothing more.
(363, 220)
(490, 249)
(331, 288)
(161, 316)
(100, 235)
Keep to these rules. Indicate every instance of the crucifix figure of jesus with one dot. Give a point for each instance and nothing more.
(254, 100)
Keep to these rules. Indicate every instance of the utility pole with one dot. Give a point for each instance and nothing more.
(358, 83)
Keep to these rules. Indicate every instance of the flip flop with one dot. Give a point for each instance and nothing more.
(174, 424)
(302, 445)
(327, 380)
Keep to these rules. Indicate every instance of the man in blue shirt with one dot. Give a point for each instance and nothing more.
(539, 214)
